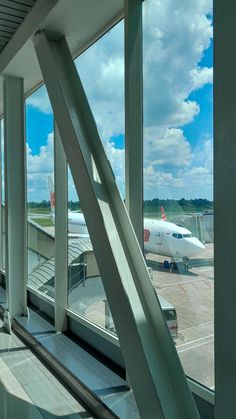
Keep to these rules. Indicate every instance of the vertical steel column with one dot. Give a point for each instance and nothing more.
(1, 211)
(134, 115)
(224, 207)
(154, 368)
(15, 196)
(61, 233)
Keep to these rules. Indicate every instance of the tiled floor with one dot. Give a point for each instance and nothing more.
(27, 388)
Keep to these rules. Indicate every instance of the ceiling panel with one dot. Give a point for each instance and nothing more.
(12, 14)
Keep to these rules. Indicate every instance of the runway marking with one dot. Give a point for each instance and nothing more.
(195, 286)
(181, 283)
(194, 343)
(209, 286)
(194, 327)
(182, 288)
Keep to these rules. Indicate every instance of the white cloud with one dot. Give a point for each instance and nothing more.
(175, 37)
(199, 171)
(166, 147)
(190, 181)
(161, 179)
(39, 167)
(201, 76)
(101, 69)
(40, 100)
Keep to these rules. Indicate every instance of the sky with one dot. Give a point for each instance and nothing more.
(178, 145)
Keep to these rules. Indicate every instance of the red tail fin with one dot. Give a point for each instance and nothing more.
(163, 214)
(52, 201)
(52, 194)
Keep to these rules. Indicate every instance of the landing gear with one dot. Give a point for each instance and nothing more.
(186, 264)
(176, 264)
(170, 265)
(173, 265)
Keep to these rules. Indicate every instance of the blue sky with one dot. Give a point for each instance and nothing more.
(38, 126)
(203, 122)
(177, 104)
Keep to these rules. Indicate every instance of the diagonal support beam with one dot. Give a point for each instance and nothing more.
(154, 369)
(134, 115)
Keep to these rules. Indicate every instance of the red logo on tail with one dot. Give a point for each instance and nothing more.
(146, 235)
(163, 214)
(52, 200)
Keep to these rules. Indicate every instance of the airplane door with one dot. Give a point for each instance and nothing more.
(159, 240)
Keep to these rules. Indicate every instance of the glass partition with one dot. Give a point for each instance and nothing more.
(178, 174)
(104, 87)
(101, 69)
(40, 192)
(86, 294)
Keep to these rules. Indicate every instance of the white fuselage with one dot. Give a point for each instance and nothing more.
(160, 237)
(76, 223)
(168, 239)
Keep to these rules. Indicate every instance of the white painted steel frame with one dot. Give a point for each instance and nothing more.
(154, 369)
(61, 233)
(105, 334)
(1, 203)
(134, 115)
(15, 196)
(224, 205)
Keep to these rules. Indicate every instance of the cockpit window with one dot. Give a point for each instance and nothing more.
(177, 236)
(187, 235)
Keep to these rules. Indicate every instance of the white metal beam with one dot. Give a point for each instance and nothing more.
(1, 196)
(154, 368)
(61, 235)
(15, 196)
(134, 115)
(224, 207)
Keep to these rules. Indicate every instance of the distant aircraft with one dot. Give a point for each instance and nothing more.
(160, 236)
(76, 221)
(168, 239)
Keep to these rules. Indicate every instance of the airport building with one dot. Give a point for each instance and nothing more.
(105, 105)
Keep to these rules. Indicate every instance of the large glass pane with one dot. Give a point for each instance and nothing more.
(101, 69)
(40, 188)
(86, 294)
(178, 180)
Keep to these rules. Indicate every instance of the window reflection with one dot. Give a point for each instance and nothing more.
(178, 172)
(40, 192)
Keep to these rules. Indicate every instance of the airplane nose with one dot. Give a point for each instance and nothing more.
(197, 247)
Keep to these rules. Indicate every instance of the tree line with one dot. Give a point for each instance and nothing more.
(186, 205)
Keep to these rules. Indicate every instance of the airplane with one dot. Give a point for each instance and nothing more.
(161, 237)
(168, 239)
(76, 222)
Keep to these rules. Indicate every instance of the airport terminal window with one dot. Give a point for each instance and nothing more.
(86, 294)
(40, 192)
(178, 174)
(101, 69)
(104, 87)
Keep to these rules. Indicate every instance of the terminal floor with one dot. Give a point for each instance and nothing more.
(28, 389)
